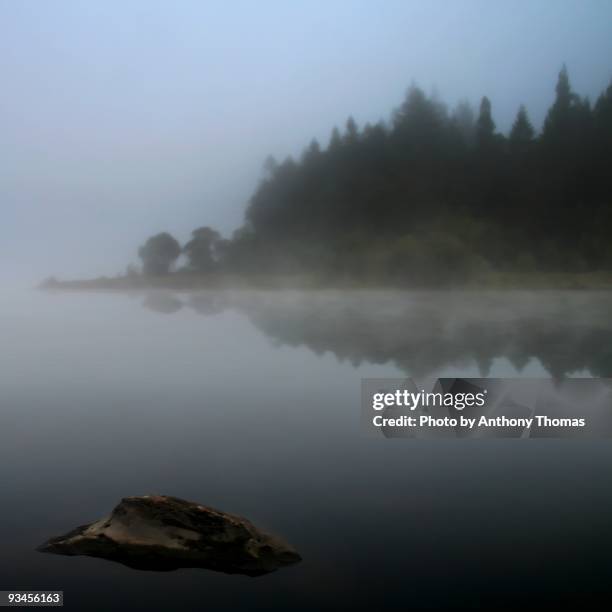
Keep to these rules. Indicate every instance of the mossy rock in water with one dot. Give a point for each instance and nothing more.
(161, 533)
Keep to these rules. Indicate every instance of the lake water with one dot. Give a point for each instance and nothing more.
(250, 402)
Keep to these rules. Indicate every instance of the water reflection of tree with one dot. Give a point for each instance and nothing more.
(424, 332)
(163, 303)
(436, 330)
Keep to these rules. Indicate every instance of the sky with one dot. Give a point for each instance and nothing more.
(123, 118)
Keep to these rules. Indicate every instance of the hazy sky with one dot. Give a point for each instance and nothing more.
(122, 118)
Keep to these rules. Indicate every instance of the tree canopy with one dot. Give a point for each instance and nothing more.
(159, 253)
(201, 249)
(431, 197)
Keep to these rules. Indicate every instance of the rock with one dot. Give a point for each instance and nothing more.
(161, 533)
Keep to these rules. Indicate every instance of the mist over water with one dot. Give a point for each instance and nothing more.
(249, 401)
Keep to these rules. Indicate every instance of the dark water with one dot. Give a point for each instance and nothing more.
(249, 402)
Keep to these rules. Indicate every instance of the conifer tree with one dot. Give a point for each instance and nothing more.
(485, 126)
(522, 132)
(559, 116)
(335, 140)
(352, 131)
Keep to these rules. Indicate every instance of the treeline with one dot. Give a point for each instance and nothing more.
(428, 197)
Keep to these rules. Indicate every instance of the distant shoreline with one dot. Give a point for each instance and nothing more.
(189, 282)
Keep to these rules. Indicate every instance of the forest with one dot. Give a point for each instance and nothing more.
(430, 197)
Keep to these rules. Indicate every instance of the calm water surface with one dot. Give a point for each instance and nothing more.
(249, 402)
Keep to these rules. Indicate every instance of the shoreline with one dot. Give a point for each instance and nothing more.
(193, 282)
